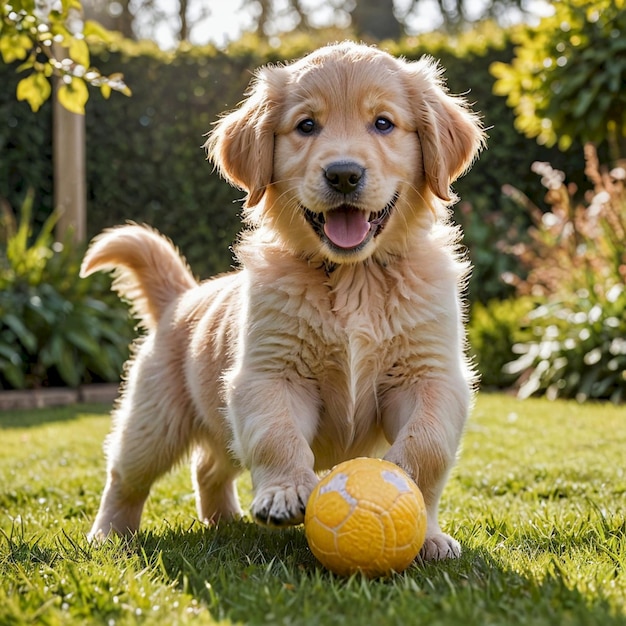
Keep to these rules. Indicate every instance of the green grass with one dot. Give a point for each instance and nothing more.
(538, 501)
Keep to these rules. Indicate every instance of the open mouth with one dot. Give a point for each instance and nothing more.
(347, 227)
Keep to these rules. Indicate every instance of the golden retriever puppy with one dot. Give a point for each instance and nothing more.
(341, 333)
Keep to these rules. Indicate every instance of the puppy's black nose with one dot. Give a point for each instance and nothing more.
(344, 176)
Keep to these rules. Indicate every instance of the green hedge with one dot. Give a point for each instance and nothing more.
(145, 161)
(25, 148)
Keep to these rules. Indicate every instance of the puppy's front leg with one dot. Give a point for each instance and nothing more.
(424, 424)
(274, 420)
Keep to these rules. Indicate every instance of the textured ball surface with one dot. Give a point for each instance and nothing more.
(366, 515)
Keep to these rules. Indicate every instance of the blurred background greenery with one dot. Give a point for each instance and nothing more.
(548, 78)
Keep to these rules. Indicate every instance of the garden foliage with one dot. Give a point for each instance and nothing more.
(566, 81)
(51, 41)
(55, 328)
(145, 163)
(576, 268)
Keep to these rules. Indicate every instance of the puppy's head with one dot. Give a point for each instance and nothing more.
(344, 153)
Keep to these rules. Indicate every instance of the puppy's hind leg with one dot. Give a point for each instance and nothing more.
(213, 475)
(147, 439)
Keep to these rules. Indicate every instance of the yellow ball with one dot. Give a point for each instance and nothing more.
(365, 515)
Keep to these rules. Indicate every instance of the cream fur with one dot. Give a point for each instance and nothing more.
(309, 354)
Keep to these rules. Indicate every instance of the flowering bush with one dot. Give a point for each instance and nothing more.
(576, 262)
(576, 244)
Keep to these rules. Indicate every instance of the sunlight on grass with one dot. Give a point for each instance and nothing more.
(537, 500)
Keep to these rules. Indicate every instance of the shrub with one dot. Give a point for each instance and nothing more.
(579, 349)
(55, 328)
(576, 263)
(493, 329)
(566, 81)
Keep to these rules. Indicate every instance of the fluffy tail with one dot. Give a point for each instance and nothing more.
(149, 271)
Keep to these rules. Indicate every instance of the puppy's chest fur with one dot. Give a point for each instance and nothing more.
(354, 337)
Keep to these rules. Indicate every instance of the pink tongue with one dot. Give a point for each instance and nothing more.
(346, 228)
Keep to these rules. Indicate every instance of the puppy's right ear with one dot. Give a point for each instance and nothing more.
(241, 144)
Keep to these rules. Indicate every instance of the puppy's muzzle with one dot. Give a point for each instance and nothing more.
(345, 226)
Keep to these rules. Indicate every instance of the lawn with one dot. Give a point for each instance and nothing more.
(538, 501)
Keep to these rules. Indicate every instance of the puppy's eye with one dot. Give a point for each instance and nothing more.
(383, 125)
(307, 127)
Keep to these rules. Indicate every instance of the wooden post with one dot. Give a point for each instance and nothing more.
(70, 195)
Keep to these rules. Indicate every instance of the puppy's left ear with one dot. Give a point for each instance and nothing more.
(241, 144)
(451, 134)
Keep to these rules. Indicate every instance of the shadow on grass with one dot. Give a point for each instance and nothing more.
(246, 574)
(31, 418)
(242, 572)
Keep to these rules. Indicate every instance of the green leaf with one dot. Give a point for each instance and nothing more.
(74, 96)
(45, 237)
(79, 51)
(97, 31)
(42, 312)
(25, 336)
(69, 367)
(27, 65)
(83, 342)
(13, 373)
(539, 86)
(14, 47)
(17, 244)
(586, 99)
(35, 89)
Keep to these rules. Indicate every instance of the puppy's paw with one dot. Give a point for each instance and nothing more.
(97, 536)
(439, 546)
(284, 504)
